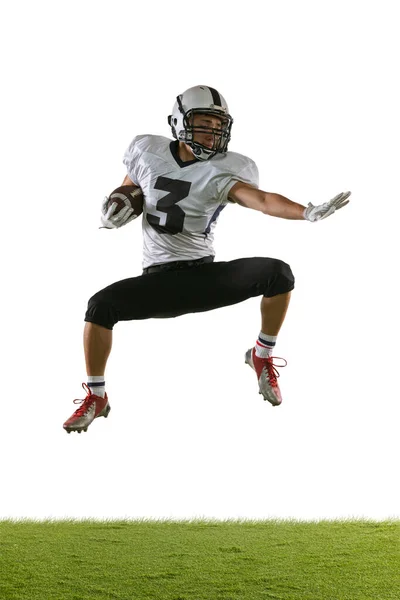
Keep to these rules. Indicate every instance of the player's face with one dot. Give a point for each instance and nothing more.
(205, 124)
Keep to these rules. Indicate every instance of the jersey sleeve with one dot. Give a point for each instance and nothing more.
(247, 174)
(131, 157)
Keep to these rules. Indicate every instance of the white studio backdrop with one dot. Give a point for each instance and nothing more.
(313, 93)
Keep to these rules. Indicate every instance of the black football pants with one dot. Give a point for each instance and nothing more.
(171, 290)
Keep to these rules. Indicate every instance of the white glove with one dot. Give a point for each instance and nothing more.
(316, 213)
(109, 220)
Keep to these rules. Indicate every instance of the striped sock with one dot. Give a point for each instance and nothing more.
(97, 385)
(265, 345)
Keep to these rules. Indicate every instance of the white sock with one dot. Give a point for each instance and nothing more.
(265, 345)
(97, 385)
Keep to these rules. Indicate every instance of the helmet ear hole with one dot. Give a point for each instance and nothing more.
(175, 121)
(169, 119)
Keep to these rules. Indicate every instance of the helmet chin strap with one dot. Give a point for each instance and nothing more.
(201, 153)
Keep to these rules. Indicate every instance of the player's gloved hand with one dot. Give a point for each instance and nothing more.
(110, 220)
(316, 213)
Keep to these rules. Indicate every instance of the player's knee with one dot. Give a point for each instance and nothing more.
(285, 272)
(101, 311)
(282, 279)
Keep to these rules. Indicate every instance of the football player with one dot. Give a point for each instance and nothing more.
(186, 183)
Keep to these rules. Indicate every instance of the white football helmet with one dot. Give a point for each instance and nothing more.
(201, 100)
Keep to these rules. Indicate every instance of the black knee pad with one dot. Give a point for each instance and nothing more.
(101, 311)
(280, 279)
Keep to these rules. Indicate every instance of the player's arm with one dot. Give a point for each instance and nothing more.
(274, 205)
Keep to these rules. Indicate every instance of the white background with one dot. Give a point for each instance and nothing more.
(313, 89)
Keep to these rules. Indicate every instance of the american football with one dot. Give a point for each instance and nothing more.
(127, 195)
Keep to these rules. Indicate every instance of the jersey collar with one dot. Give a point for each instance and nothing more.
(174, 145)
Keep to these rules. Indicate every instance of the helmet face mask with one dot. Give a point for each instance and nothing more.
(194, 130)
(197, 133)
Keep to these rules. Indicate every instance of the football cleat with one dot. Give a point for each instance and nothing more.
(92, 407)
(267, 375)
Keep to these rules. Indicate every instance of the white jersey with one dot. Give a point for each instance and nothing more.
(182, 200)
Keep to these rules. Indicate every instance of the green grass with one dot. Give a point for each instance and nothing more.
(196, 560)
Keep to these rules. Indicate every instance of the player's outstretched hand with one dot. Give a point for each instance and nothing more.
(110, 219)
(316, 213)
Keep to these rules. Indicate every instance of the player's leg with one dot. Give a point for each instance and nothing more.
(131, 299)
(97, 342)
(273, 312)
(220, 284)
(214, 285)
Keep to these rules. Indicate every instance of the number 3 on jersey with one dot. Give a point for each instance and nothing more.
(178, 190)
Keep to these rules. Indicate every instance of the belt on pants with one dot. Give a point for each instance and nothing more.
(178, 264)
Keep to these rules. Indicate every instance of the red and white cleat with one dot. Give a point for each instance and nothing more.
(267, 375)
(92, 407)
